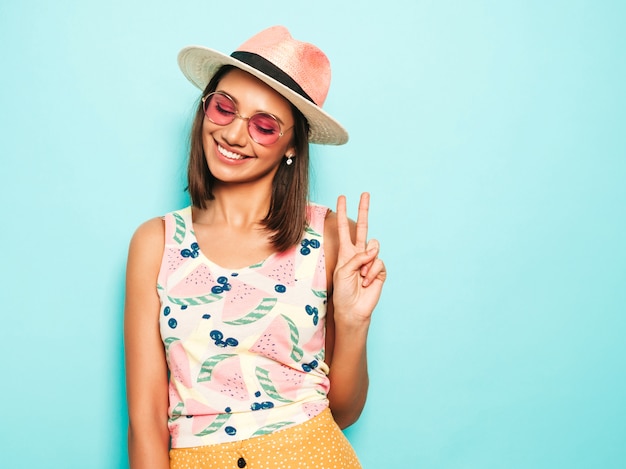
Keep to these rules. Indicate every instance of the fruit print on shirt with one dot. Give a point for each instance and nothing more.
(244, 347)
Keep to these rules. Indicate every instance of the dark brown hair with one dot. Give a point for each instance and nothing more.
(286, 218)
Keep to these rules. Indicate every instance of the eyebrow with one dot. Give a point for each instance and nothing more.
(236, 101)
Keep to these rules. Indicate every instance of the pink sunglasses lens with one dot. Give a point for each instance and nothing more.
(262, 127)
(220, 110)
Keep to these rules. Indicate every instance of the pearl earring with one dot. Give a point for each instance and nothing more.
(289, 159)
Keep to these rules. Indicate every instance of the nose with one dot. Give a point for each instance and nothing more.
(236, 133)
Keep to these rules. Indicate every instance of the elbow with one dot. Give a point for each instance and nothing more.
(347, 396)
(346, 414)
(344, 420)
(148, 427)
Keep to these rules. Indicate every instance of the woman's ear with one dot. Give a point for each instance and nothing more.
(290, 151)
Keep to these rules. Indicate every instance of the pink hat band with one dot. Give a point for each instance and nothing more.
(299, 71)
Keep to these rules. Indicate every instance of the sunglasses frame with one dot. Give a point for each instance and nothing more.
(207, 98)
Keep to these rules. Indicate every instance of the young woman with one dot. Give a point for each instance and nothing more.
(247, 313)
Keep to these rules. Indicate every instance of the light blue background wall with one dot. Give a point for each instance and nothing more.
(491, 135)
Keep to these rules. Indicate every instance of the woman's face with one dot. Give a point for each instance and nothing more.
(231, 153)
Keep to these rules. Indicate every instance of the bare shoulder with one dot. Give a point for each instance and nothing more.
(148, 241)
(150, 231)
(145, 255)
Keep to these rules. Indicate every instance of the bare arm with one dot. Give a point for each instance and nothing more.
(146, 368)
(355, 287)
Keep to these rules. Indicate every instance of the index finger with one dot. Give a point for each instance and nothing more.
(361, 221)
(343, 227)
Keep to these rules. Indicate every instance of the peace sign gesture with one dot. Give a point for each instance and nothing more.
(359, 274)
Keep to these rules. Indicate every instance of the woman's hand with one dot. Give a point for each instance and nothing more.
(358, 277)
(359, 273)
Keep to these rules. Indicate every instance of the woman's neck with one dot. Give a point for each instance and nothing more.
(239, 206)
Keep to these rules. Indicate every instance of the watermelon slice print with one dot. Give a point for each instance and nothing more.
(195, 288)
(268, 385)
(217, 422)
(197, 283)
(245, 304)
(281, 268)
(172, 259)
(272, 428)
(283, 380)
(179, 229)
(206, 419)
(317, 342)
(319, 283)
(316, 216)
(222, 374)
(178, 361)
(314, 408)
(279, 341)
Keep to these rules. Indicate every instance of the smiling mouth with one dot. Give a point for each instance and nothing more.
(229, 154)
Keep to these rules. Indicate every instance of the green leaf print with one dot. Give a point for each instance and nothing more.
(296, 352)
(268, 386)
(311, 231)
(319, 293)
(196, 300)
(181, 228)
(207, 367)
(271, 428)
(215, 426)
(177, 411)
(169, 341)
(264, 307)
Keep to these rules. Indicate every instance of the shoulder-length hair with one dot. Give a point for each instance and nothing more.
(286, 218)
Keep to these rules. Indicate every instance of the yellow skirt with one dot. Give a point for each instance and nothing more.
(315, 444)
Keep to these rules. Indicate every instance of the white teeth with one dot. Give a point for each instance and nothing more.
(229, 154)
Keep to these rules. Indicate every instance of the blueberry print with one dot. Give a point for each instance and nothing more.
(228, 410)
(234, 274)
(257, 394)
(313, 311)
(206, 316)
(307, 245)
(193, 252)
(217, 336)
(183, 306)
(308, 367)
(230, 430)
(167, 310)
(172, 323)
(280, 288)
(262, 405)
(222, 287)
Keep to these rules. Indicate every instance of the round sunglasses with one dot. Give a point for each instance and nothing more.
(263, 127)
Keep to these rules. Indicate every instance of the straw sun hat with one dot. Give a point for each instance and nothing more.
(297, 70)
